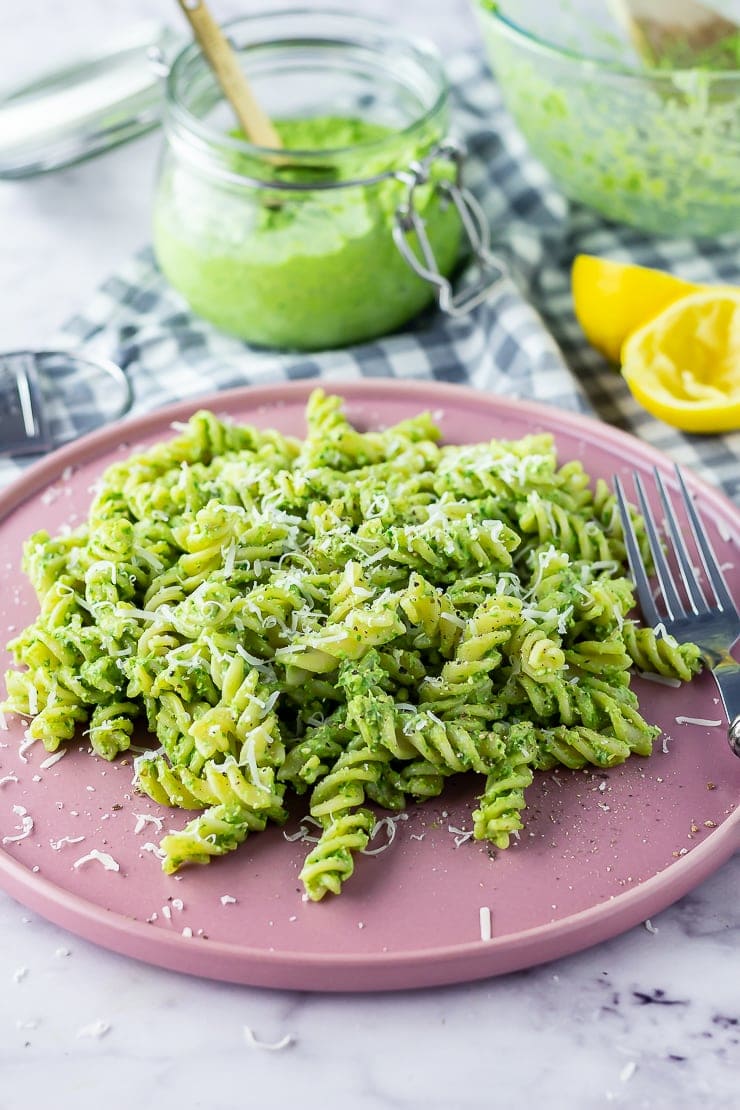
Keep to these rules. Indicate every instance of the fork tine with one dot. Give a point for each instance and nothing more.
(706, 554)
(642, 583)
(696, 597)
(674, 605)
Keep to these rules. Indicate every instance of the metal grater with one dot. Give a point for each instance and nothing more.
(23, 429)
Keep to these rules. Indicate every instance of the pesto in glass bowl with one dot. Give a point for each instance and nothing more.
(655, 148)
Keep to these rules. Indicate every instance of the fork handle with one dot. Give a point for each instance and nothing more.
(727, 676)
(734, 735)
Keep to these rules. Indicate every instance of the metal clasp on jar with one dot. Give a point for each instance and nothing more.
(407, 221)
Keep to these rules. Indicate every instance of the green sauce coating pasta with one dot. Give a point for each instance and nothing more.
(354, 617)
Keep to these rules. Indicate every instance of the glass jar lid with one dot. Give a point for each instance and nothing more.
(69, 114)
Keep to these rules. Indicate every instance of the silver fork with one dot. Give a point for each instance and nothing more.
(714, 627)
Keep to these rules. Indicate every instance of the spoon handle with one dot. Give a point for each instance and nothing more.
(257, 126)
(680, 34)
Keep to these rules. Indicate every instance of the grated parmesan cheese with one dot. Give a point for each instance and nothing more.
(697, 721)
(27, 742)
(95, 1029)
(271, 701)
(153, 848)
(661, 679)
(156, 564)
(267, 1046)
(144, 819)
(461, 835)
(52, 759)
(484, 915)
(142, 614)
(388, 823)
(57, 845)
(25, 826)
(94, 856)
(382, 554)
(230, 560)
(303, 833)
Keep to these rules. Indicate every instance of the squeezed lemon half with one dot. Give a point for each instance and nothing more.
(683, 365)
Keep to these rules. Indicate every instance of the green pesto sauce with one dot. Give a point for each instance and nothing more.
(722, 54)
(303, 270)
(660, 154)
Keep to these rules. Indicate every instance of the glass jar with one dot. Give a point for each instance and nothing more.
(352, 228)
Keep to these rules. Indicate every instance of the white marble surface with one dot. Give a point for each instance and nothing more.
(648, 1020)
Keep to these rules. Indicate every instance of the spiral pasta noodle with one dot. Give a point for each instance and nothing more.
(660, 654)
(498, 815)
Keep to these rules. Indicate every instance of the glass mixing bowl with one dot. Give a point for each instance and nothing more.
(655, 148)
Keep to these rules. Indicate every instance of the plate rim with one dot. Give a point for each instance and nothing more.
(89, 444)
(307, 971)
(372, 971)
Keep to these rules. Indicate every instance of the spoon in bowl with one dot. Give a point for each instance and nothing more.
(682, 34)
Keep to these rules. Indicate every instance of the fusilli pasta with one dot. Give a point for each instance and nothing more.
(354, 618)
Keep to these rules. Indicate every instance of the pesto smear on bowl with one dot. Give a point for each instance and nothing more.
(303, 268)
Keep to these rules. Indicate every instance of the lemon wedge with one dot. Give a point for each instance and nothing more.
(683, 366)
(613, 299)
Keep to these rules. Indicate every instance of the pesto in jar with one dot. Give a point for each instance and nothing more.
(302, 268)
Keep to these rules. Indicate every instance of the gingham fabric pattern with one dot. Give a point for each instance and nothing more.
(525, 342)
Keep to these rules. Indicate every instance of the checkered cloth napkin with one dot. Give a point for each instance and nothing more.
(524, 343)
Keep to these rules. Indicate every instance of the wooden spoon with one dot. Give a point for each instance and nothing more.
(256, 124)
(679, 34)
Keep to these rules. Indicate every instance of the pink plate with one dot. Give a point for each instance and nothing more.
(600, 852)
